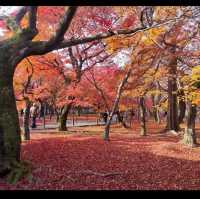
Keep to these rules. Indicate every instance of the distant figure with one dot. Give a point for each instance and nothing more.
(105, 117)
(132, 113)
(33, 113)
(41, 111)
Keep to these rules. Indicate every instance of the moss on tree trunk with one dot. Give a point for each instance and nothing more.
(189, 137)
(9, 123)
(26, 120)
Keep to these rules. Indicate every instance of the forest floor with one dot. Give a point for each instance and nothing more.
(80, 160)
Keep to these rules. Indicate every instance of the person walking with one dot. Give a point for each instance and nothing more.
(33, 113)
(105, 117)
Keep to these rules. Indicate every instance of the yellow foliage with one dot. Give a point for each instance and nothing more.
(191, 91)
(195, 73)
(150, 36)
(116, 43)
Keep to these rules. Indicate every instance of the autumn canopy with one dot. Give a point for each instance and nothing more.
(127, 65)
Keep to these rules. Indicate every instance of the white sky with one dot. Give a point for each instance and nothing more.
(5, 11)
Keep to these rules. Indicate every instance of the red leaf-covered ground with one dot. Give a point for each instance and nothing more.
(81, 160)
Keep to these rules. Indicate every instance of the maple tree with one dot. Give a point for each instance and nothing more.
(23, 91)
(154, 36)
(170, 40)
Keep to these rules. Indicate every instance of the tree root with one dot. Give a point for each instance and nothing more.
(18, 171)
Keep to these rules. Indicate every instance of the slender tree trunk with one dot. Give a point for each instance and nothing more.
(189, 137)
(158, 115)
(120, 119)
(57, 117)
(73, 112)
(138, 113)
(63, 117)
(10, 138)
(51, 112)
(116, 103)
(78, 111)
(172, 114)
(26, 119)
(44, 116)
(57, 114)
(142, 116)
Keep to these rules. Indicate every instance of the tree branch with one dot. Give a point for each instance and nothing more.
(64, 25)
(21, 14)
(33, 18)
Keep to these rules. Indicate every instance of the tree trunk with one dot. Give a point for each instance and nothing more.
(158, 115)
(57, 114)
(116, 103)
(51, 112)
(10, 138)
(138, 114)
(172, 114)
(63, 117)
(189, 137)
(120, 119)
(26, 120)
(182, 107)
(155, 110)
(57, 117)
(142, 116)
(44, 116)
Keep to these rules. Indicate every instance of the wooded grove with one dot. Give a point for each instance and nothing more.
(127, 72)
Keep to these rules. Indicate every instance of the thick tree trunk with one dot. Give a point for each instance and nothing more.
(172, 113)
(26, 120)
(189, 137)
(9, 122)
(182, 107)
(63, 117)
(142, 116)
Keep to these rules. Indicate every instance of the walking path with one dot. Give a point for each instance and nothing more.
(78, 123)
